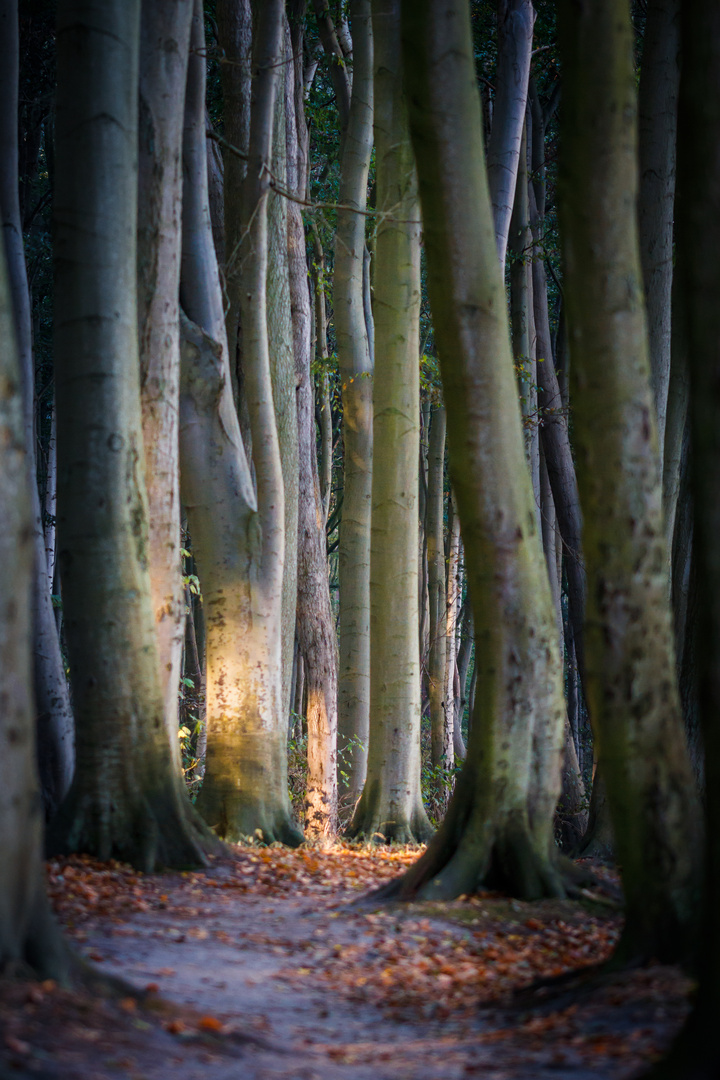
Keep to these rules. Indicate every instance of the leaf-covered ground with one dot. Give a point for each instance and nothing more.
(266, 966)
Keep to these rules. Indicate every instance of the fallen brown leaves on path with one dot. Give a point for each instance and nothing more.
(430, 987)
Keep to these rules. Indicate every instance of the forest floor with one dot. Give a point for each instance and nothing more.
(263, 968)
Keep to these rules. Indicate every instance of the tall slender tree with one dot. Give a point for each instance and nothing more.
(28, 932)
(630, 666)
(54, 713)
(165, 40)
(391, 803)
(315, 621)
(695, 1055)
(354, 352)
(498, 827)
(238, 551)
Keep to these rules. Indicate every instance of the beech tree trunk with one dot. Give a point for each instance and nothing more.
(238, 550)
(657, 137)
(164, 44)
(391, 804)
(630, 663)
(696, 1055)
(54, 718)
(499, 824)
(356, 383)
(315, 622)
(516, 19)
(283, 379)
(127, 800)
(440, 736)
(29, 935)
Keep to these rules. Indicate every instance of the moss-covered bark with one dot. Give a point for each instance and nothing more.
(630, 665)
(499, 823)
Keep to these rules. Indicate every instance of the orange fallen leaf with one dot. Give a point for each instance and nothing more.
(210, 1023)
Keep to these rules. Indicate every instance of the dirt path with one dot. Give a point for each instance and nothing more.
(267, 946)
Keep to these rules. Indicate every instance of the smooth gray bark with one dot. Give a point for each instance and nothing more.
(128, 799)
(516, 19)
(54, 718)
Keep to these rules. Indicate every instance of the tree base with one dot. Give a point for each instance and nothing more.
(384, 825)
(501, 856)
(238, 819)
(158, 831)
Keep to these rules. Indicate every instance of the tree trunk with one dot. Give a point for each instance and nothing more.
(127, 800)
(29, 936)
(516, 19)
(630, 663)
(282, 375)
(54, 718)
(164, 44)
(315, 622)
(391, 804)
(440, 737)
(521, 317)
(356, 383)
(696, 1055)
(245, 787)
(657, 131)
(499, 824)
(555, 437)
(452, 608)
(234, 19)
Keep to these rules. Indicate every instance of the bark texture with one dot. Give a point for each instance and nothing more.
(29, 936)
(127, 800)
(391, 804)
(315, 622)
(245, 787)
(440, 736)
(657, 131)
(499, 822)
(356, 382)
(695, 1055)
(516, 19)
(630, 662)
(165, 39)
(54, 718)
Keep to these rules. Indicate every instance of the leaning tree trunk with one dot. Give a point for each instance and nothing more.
(315, 621)
(631, 685)
(55, 734)
(245, 786)
(164, 44)
(356, 383)
(29, 936)
(440, 735)
(657, 131)
(696, 1055)
(499, 824)
(128, 800)
(391, 804)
